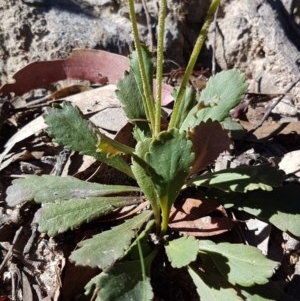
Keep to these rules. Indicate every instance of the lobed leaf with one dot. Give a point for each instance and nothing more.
(239, 264)
(221, 94)
(69, 128)
(63, 215)
(182, 251)
(103, 249)
(45, 189)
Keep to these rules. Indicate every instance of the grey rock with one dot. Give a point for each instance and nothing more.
(261, 39)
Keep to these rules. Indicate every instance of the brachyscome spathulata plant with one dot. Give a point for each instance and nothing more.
(162, 189)
(163, 162)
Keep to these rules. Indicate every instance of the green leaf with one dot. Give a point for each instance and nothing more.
(242, 178)
(103, 249)
(182, 251)
(45, 189)
(188, 102)
(130, 96)
(169, 158)
(221, 94)
(69, 128)
(139, 169)
(211, 288)
(122, 282)
(134, 64)
(280, 206)
(63, 215)
(164, 164)
(239, 264)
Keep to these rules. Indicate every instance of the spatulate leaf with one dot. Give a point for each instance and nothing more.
(239, 264)
(103, 249)
(63, 215)
(242, 178)
(45, 189)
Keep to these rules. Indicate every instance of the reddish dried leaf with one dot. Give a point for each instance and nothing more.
(94, 65)
(192, 218)
(97, 66)
(209, 141)
(166, 93)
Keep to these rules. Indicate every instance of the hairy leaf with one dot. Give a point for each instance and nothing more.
(45, 189)
(211, 288)
(122, 282)
(103, 249)
(130, 96)
(222, 93)
(134, 65)
(69, 128)
(239, 264)
(63, 215)
(242, 178)
(182, 251)
(169, 158)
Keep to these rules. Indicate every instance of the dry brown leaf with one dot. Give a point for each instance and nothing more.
(272, 128)
(28, 130)
(23, 155)
(209, 141)
(193, 217)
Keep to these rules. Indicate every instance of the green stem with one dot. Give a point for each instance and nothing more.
(159, 65)
(190, 67)
(165, 215)
(148, 94)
